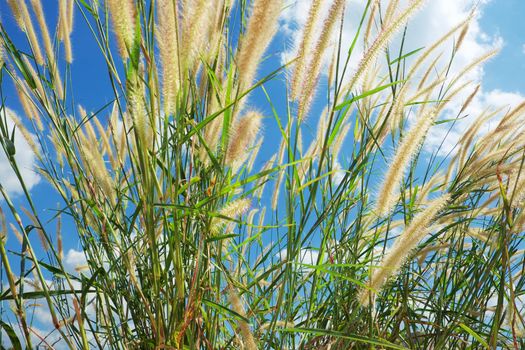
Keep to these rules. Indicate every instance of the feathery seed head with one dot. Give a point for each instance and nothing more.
(29, 29)
(469, 99)
(123, 18)
(401, 249)
(70, 15)
(387, 197)
(65, 27)
(462, 36)
(244, 327)
(390, 11)
(236, 208)
(313, 69)
(299, 74)
(231, 210)
(25, 101)
(370, 22)
(168, 42)
(262, 26)
(243, 134)
(197, 19)
(39, 12)
(48, 47)
(15, 9)
(382, 40)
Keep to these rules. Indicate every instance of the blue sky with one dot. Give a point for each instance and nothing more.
(500, 23)
(505, 18)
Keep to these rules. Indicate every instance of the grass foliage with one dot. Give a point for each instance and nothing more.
(200, 235)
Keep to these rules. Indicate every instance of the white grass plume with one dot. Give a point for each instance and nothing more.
(243, 135)
(231, 210)
(30, 31)
(65, 27)
(167, 40)
(401, 249)
(313, 70)
(123, 17)
(48, 47)
(299, 74)
(244, 327)
(409, 145)
(382, 40)
(262, 26)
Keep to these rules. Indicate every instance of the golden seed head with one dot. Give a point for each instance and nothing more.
(168, 42)
(401, 249)
(231, 210)
(123, 18)
(243, 135)
(262, 26)
(244, 327)
(387, 197)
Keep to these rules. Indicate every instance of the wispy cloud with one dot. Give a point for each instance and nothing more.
(433, 21)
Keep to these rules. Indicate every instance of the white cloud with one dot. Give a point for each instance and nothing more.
(339, 174)
(307, 256)
(523, 49)
(74, 259)
(434, 20)
(25, 158)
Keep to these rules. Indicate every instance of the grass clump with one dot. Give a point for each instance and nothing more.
(199, 234)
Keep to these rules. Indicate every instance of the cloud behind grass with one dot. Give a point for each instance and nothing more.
(429, 24)
(24, 156)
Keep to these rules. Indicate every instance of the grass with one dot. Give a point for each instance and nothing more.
(196, 240)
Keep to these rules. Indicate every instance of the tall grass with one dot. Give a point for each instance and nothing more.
(194, 240)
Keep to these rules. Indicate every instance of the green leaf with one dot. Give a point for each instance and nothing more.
(367, 93)
(54, 270)
(448, 120)
(220, 238)
(406, 55)
(475, 335)
(354, 338)
(42, 294)
(15, 342)
(224, 310)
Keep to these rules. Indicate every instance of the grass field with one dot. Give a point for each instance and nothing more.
(224, 200)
